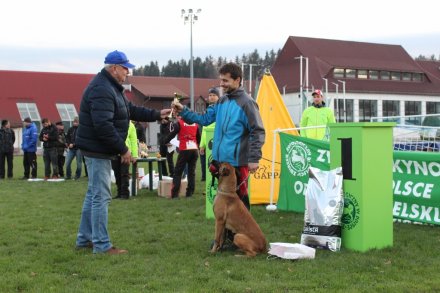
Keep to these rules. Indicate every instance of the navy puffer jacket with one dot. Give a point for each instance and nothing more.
(104, 116)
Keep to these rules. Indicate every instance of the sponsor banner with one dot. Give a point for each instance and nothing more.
(210, 184)
(416, 187)
(416, 180)
(297, 155)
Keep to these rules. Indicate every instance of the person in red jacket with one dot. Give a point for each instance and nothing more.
(189, 139)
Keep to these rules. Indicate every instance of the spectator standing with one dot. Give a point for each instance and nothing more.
(49, 137)
(122, 171)
(61, 147)
(213, 96)
(103, 125)
(29, 147)
(73, 151)
(189, 138)
(140, 132)
(316, 115)
(163, 149)
(7, 140)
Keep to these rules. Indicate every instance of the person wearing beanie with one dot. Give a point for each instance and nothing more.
(316, 115)
(213, 96)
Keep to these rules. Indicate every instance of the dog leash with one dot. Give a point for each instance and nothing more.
(245, 180)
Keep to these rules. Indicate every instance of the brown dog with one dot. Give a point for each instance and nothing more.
(231, 213)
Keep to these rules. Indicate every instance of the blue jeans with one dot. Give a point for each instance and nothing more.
(94, 217)
(74, 153)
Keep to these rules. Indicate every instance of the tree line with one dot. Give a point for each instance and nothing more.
(209, 66)
(425, 58)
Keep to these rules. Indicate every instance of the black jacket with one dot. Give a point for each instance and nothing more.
(104, 116)
(52, 133)
(71, 136)
(7, 140)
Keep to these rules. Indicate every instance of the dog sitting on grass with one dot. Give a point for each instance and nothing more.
(231, 213)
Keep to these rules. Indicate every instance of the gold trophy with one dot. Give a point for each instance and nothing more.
(177, 99)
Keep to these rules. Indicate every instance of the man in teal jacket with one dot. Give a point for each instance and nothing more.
(239, 131)
(316, 115)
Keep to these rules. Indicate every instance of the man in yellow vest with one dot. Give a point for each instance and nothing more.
(315, 115)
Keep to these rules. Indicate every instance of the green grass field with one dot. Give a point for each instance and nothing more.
(168, 243)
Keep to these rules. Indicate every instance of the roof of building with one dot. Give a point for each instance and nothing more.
(46, 89)
(153, 86)
(325, 55)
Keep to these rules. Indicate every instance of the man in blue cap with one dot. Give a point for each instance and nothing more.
(104, 117)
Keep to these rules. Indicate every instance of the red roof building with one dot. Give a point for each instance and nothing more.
(379, 79)
(57, 96)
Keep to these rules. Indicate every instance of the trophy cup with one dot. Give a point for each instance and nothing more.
(177, 99)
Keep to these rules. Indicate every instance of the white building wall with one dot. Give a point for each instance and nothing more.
(292, 102)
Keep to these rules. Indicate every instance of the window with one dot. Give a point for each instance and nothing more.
(67, 113)
(384, 75)
(432, 107)
(406, 76)
(338, 73)
(390, 108)
(374, 74)
(395, 75)
(350, 73)
(413, 108)
(362, 74)
(339, 110)
(367, 109)
(28, 110)
(417, 77)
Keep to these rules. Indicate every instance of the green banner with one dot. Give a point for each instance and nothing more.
(416, 179)
(297, 155)
(416, 187)
(210, 187)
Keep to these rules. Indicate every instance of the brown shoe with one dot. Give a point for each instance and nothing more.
(115, 250)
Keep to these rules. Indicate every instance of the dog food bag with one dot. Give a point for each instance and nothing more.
(323, 211)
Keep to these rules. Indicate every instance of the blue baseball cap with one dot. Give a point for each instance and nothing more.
(119, 58)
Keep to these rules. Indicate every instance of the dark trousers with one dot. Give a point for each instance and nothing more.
(30, 162)
(122, 177)
(50, 158)
(185, 157)
(61, 161)
(6, 156)
(203, 166)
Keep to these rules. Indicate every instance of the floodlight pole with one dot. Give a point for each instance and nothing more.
(301, 88)
(191, 17)
(250, 78)
(337, 96)
(326, 86)
(343, 97)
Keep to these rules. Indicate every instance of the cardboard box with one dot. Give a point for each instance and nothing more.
(164, 189)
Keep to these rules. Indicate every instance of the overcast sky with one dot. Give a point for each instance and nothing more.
(75, 36)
